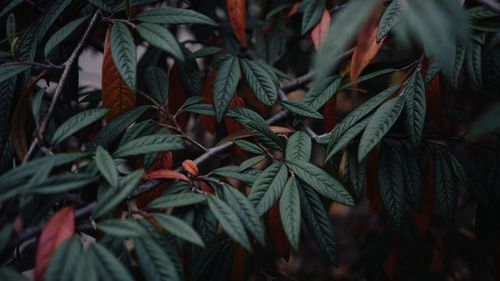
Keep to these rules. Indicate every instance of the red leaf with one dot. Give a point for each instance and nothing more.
(115, 93)
(166, 174)
(367, 47)
(293, 9)
(257, 105)
(239, 263)
(330, 113)
(423, 217)
(190, 167)
(231, 125)
(205, 187)
(208, 122)
(372, 188)
(177, 96)
(164, 161)
(319, 32)
(237, 12)
(279, 241)
(59, 228)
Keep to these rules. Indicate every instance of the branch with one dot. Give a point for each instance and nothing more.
(71, 60)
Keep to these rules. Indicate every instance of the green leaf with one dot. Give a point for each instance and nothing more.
(107, 265)
(229, 221)
(5, 234)
(322, 91)
(9, 71)
(480, 12)
(106, 166)
(342, 32)
(261, 83)
(446, 192)
(62, 183)
(312, 14)
(126, 186)
(202, 109)
(154, 262)
(391, 182)
(250, 175)
(63, 262)
(347, 137)
(161, 38)
(380, 123)
(413, 178)
(176, 200)
(225, 85)
(356, 115)
(301, 108)
(290, 212)
(10, 28)
(7, 273)
(148, 144)
(7, 8)
(76, 123)
(124, 53)
(321, 181)
(122, 228)
(36, 104)
(255, 123)
(179, 228)
(356, 172)
(113, 129)
(245, 210)
(249, 163)
(174, 16)
(389, 20)
(459, 61)
(415, 107)
(318, 222)
(248, 146)
(85, 270)
(205, 52)
(298, 147)
(474, 64)
(156, 82)
(62, 34)
(267, 189)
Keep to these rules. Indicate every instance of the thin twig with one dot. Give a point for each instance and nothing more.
(35, 64)
(64, 76)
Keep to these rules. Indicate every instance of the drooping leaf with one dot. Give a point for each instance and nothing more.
(122, 228)
(108, 267)
(154, 262)
(126, 186)
(237, 13)
(76, 123)
(290, 212)
(225, 85)
(356, 172)
(319, 32)
(160, 37)
(391, 182)
(247, 213)
(379, 124)
(124, 54)
(178, 228)
(249, 175)
(148, 144)
(174, 16)
(116, 95)
(389, 20)
(257, 125)
(259, 80)
(229, 221)
(60, 227)
(250, 162)
(413, 178)
(301, 108)
(176, 200)
(474, 63)
(446, 191)
(347, 137)
(459, 61)
(318, 222)
(321, 181)
(415, 107)
(298, 147)
(62, 34)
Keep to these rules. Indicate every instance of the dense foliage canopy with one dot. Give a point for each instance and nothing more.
(250, 140)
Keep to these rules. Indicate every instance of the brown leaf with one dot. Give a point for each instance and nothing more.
(330, 114)
(279, 241)
(208, 122)
(59, 228)
(256, 104)
(190, 167)
(177, 96)
(423, 217)
(116, 95)
(237, 13)
(166, 174)
(372, 188)
(366, 48)
(319, 32)
(240, 257)
(231, 125)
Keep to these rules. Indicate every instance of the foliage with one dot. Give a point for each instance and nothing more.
(213, 157)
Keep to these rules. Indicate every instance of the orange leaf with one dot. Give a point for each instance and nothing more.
(208, 122)
(231, 125)
(279, 241)
(319, 32)
(237, 12)
(115, 93)
(367, 47)
(330, 113)
(190, 167)
(177, 96)
(59, 228)
(166, 174)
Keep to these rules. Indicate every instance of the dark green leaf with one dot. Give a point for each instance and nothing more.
(234, 172)
(248, 146)
(446, 192)
(249, 163)
(76, 123)
(106, 166)
(155, 263)
(312, 14)
(148, 144)
(322, 91)
(268, 185)
(347, 137)
(174, 16)
(9, 71)
(391, 182)
(179, 228)
(156, 82)
(261, 83)
(298, 147)
(290, 212)
(301, 108)
(63, 262)
(177, 200)
(107, 265)
(389, 20)
(415, 107)
(225, 85)
(122, 228)
(62, 34)
(124, 54)
(161, 38)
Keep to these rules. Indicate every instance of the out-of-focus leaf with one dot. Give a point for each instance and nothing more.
(64, 261)
(178, 228)
(320, 31)
(122, 228)
(155, 263)
(106, 166)
(9, 71)
(108, 267)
